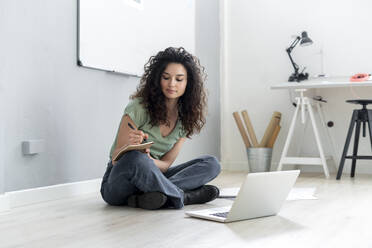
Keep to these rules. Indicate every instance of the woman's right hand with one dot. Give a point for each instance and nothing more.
(136, 137)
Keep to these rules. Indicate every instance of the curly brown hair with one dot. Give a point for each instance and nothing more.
(191, 105)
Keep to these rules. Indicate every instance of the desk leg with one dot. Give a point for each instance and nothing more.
(303, 109)
(290, 134)
(328, 133)
(317, 137)
(300, 145)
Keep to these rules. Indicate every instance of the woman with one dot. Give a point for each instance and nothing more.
(168, 107)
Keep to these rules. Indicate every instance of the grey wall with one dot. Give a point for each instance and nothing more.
(44, 95)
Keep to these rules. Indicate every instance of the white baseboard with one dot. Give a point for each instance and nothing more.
(235, 166)
(244, 167)
(36, 195)
(241, 166)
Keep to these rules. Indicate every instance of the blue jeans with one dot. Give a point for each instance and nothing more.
(135, 173)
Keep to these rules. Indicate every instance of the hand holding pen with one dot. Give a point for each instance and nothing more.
(136, 136)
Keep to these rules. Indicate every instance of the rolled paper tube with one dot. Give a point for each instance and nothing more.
(250, 129)
(241, 129)
(272, 140)
(275, 120)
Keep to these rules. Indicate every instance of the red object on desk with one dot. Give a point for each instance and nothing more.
(360, 77)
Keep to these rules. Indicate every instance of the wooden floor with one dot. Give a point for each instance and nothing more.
(341, 217)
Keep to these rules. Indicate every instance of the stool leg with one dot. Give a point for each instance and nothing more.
(356, 144)
(370, 125)
(347, 142)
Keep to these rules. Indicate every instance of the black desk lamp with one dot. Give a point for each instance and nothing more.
(305, 41)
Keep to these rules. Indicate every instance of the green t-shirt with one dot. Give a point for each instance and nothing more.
(141, 118)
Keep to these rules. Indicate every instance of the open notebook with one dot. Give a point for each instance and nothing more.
(131, 148)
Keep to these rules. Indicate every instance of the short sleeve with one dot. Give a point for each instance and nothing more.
(136, 111)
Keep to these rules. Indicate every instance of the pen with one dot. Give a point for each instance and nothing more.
(130, 125)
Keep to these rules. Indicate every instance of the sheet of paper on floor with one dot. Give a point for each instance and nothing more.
(294, 194)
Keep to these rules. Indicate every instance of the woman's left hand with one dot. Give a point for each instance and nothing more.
(148, 152)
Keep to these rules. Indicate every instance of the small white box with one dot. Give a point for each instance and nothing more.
(30, 147)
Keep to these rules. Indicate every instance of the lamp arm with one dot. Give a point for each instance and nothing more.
(289, 50)
(295, 66)
(294, 43)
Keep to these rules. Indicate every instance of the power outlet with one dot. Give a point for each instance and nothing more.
(31, 147)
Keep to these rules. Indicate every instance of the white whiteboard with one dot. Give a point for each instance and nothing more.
(121, 35)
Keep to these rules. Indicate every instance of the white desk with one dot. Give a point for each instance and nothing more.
(304, 103)
(321, 83)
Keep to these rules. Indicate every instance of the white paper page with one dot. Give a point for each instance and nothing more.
(229, 192)
(294, 194)
(301, 194)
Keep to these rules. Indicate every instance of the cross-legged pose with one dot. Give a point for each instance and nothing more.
(167, 108)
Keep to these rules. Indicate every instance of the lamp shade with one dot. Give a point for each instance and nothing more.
(305, 40)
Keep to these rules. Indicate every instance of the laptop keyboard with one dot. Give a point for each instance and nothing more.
(223, 214)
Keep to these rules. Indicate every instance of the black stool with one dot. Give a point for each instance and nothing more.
(359, 116)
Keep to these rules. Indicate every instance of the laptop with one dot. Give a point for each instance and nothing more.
(261, 194)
